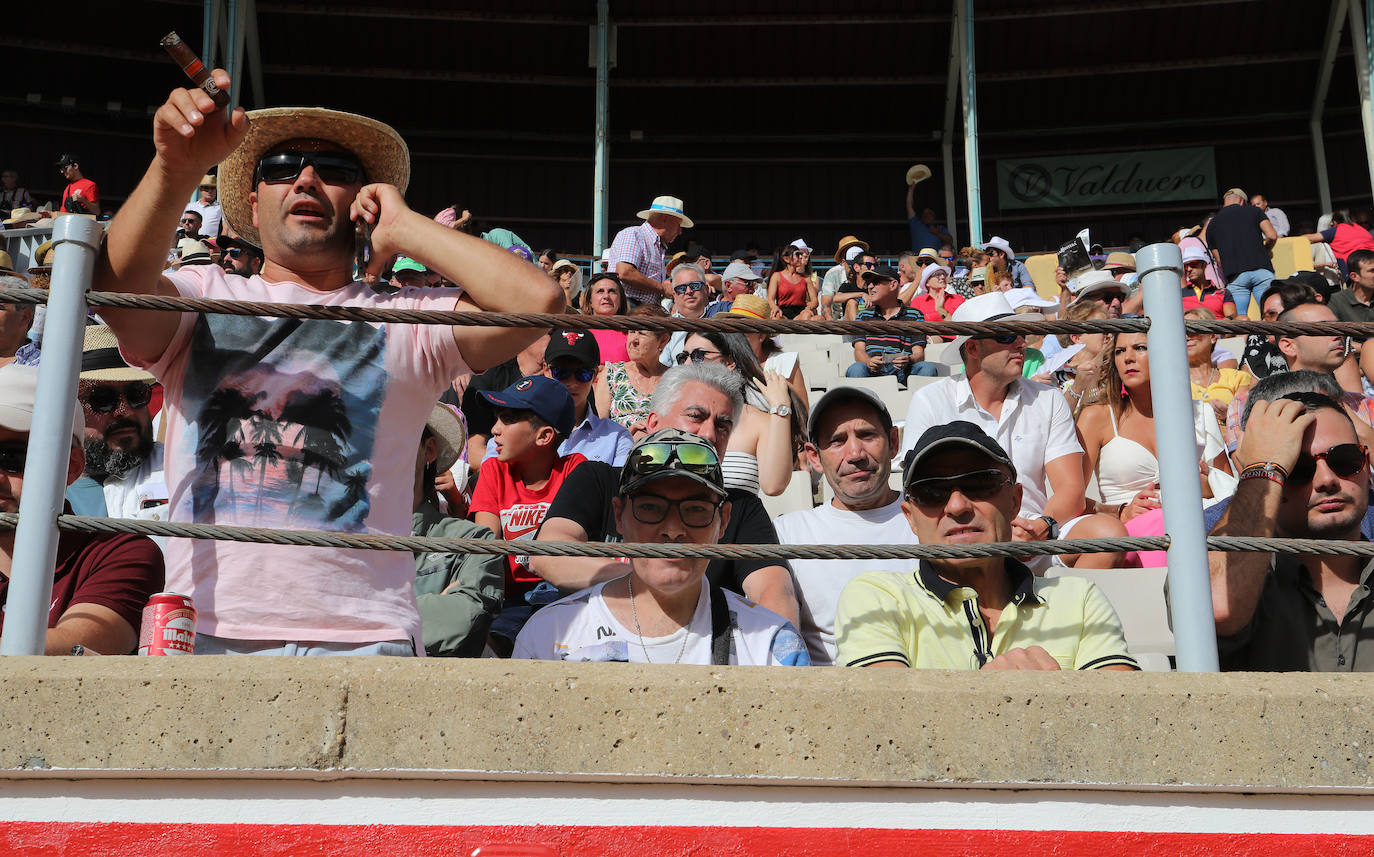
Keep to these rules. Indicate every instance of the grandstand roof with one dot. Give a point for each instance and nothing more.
(769, 119)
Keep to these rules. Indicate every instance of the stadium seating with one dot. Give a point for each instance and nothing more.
(1138, 596)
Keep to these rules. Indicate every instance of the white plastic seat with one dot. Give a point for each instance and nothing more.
(795, 497)
(1137, 594)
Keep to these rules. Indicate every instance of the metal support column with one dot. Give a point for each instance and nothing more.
(970, 77)
(1359, 40)
(947, 136)
(601, 175)
(254, 53)
(1335, 25)
(234, 64)
(1190, 586)
(77, 240)
(209, 32)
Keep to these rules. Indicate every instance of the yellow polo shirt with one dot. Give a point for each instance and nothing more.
(921, 620)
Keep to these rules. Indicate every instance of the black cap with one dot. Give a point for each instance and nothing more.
(942, 437)
(696, 251)
(880, 272)
(67, 160)
(580, 345)
(225, 242)
(837, 395)
(742, 256)
(639, 470)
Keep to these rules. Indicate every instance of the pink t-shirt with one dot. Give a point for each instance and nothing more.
(612, 345)
(313, 424)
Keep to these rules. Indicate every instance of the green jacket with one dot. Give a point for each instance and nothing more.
(455, 623)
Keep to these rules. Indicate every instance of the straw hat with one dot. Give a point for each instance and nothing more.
(563, 263)
(381, 150)
(451, 433)
(6, 263)
(845, 243)
(209, 180)
(101, 360)
(917, 174)
(193, 252)
(750, 306)
(1121, 259)
(21, 216)
(677, 259)
(670, 205)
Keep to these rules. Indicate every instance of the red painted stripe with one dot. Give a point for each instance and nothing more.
(95, 839)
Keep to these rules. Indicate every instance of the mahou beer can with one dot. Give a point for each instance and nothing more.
(169, 626)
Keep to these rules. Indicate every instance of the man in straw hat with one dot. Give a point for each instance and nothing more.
(637, 253)
(295, 424)
(121, 454)
(207, 206)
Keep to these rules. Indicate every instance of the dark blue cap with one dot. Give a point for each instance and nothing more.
(547, 398)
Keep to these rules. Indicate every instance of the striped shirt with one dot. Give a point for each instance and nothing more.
(881, 344)
(919, 619)
(641, 247)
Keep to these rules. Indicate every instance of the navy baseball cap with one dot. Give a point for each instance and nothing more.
(544, 397)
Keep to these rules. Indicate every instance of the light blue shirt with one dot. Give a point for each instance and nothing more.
(597, 438)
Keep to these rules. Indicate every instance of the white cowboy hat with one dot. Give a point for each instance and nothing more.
(667, 205)
(992, 306)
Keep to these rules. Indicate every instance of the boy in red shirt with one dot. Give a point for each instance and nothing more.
(513, 493)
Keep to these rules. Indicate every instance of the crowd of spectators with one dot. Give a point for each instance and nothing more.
(650, 436)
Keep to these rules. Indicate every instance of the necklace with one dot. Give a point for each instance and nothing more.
(630, 582)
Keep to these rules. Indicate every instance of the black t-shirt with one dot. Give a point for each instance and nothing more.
(585, 498)
(1235, 233)
(481, 417)
(1263, 357)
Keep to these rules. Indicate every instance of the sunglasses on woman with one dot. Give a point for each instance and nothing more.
(331, 167)
(563, 373)
(1344, 459)
(105, 398)
(978, 485)
(696, 355)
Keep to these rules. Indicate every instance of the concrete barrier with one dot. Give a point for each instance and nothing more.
(373, 742)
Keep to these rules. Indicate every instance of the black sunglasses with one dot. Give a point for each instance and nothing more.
(869, 265)
(978, 485)
(12, 459)
(1344, 459)
(652, 509)
(1007, 339)
(682, 288)
(234, 252)
(696, 355)
(105, 398)
(563, 373)
(921, 263)
(189, 220)
(331, 167)
(1107, 297)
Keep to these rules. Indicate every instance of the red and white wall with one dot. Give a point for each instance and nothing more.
(511, 818)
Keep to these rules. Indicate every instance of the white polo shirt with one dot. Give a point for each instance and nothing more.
(1036, 427)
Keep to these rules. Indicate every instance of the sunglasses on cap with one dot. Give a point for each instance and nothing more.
(331, 167)
(649, 458)
(696, 355)
(978, 485)
(694, 287)
(13, 458)
(563, 373)
(105, 398)
(1344, 459)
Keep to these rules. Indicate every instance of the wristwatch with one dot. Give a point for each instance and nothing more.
(1054, 527)
(782, 410)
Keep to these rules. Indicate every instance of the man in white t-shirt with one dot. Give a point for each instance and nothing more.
(300, 424)
(1031, 421)
(664, 610)
(851, 442)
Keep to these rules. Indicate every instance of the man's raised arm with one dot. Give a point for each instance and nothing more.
(190, 135)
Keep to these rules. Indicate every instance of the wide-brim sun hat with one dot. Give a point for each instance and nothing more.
(383, 154)
(997, 242)
(450, 433)
(992, 306)
(101, 360)
(750, 306)
(561, 264)
(917, 173)
(845, 243)
(669, 205)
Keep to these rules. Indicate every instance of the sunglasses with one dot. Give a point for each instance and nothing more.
(12, 459)
(978, 485)
(921, 263)
(694, 287)
(652, 509)
(1344, 459)
(188, 221)
(563, 373)
(1107, 297)
(1001, 340)
(235, 252)
(649, 458)
(105, 398)
(948, 259)
(331, 167)
(696, 355)
(869, 265)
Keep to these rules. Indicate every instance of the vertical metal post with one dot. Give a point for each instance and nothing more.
(1190, 587)
(1335, 25)
(254, 53)
(947, 136)
(1359, 40)
(50, 439)
(970, 76)
(209, 31)
(235, 61)
(601, 177)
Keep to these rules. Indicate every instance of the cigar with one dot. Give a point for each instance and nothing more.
(183, 56)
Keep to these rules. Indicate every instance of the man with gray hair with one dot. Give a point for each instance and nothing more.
(690, 294)
(704, 399)
(15, 321)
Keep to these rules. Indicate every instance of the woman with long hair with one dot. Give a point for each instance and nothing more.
(624, 388)
(1211, 383)
(605, 295)
(1078, 377)
(791, 287)
(763, 445)
(766, 349)
(1118, 434)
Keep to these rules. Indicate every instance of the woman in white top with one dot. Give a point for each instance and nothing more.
(1118, 434)
(763, 445)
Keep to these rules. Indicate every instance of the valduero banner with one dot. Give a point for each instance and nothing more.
(1108, 178)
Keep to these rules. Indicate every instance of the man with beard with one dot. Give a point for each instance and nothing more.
(240, 257)
(121, 454)
(300, 424)
(1304, 475)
